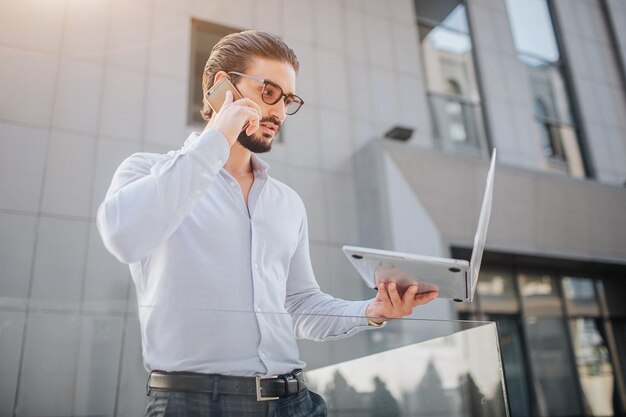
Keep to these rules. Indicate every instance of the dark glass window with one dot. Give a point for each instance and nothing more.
(619, 329)
(551, 361)
(515, 367)
(562, 334)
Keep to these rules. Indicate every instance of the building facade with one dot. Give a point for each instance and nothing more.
(86, 83)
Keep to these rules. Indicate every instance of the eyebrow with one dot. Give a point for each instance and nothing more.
(275, 83)
(260, 79)
(284, 91)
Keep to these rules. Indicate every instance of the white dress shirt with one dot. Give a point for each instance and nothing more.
(221, 287)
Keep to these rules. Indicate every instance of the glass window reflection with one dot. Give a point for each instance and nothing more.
(551, 361)
(450, 75)
(580, 296)
(595, 371)
(496, 292)
(537, 48)
(510, 335)
(540, 294)
(532, 29)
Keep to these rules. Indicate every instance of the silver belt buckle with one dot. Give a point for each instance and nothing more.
(259, 396)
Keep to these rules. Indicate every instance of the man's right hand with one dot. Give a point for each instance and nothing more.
(233, 116)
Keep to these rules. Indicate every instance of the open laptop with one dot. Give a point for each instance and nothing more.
(455, 279)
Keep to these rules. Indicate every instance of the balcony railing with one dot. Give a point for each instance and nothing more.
(73, 362)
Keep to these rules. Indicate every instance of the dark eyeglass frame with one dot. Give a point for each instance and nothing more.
(283, 96)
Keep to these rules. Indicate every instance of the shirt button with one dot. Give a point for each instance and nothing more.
(256, 265)
(220, 162)
(263, 355)
(233, 183)
(198, 192)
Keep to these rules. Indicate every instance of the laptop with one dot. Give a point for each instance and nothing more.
(455, 279)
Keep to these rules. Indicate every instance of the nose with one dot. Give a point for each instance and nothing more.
(278, 111)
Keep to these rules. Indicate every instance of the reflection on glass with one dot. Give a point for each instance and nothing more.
(555, 380)
(457, 131)
(517, 385)
(579, 289)
(450, 14)
(580, 296)
(457, 122)
(450, 77)
(594, 366)
(532, 28)
(448, 376)
(448, 56)
(537, 49)
(496, 292)
(446, 40)
(537, 286)
(548, 132)
(540, 294)
(548, 87)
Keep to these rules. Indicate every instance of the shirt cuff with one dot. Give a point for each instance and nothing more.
(356, 311)
(210, 148)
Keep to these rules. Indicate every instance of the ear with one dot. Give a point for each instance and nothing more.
(219, 75)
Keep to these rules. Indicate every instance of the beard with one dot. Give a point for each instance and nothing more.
(259, 142)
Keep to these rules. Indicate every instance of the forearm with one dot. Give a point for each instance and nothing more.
(319, 316)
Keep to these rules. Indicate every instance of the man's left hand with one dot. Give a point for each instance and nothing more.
(389, 304)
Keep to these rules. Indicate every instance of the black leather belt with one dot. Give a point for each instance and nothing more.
(265, 388)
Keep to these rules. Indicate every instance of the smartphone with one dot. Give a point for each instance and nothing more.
(217, 94)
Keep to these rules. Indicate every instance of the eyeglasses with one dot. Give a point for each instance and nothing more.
(272, 93)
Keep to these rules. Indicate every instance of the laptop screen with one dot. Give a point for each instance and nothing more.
(483, 223)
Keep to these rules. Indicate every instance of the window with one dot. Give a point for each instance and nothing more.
(562, 333)
(204, 36)
(538, 50)
(498, 301)
(449, 75)
(550, 353)
(593, 361)
(512, 348)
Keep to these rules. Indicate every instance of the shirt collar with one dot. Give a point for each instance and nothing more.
(259, 166)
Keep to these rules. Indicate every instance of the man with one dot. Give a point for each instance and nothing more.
(218, 251)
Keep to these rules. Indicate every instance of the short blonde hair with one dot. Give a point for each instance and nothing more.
(235, 52)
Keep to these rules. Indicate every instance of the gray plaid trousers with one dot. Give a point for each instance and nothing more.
(188, 404)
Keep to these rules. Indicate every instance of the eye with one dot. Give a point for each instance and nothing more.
(270, 91)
